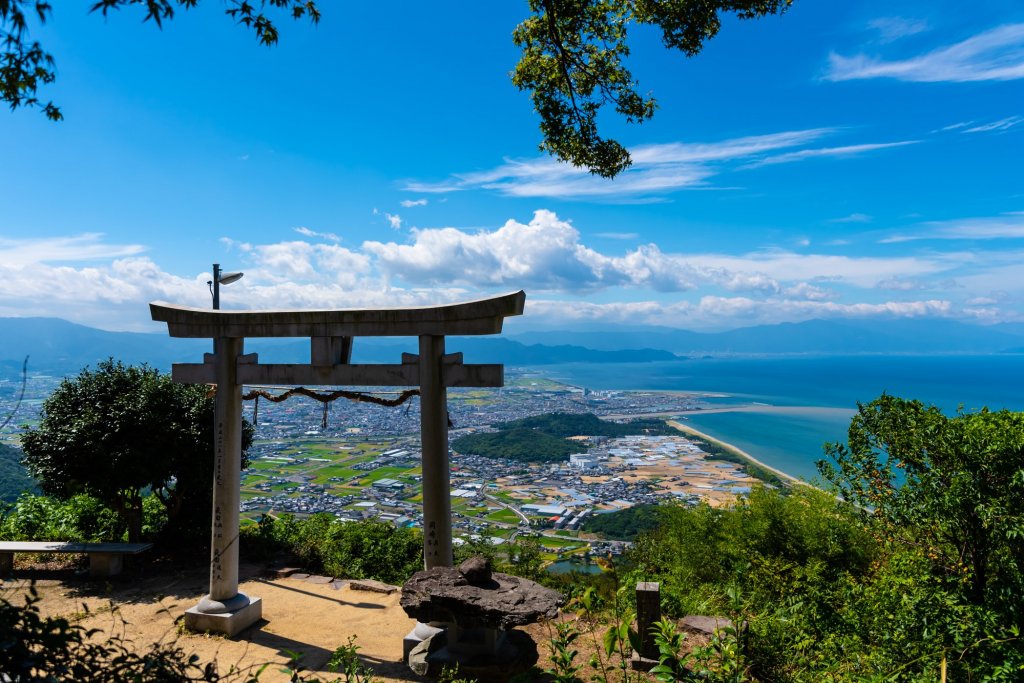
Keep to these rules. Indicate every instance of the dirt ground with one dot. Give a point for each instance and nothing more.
(146, 603)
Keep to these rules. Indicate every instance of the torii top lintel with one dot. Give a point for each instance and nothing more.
(484, 316)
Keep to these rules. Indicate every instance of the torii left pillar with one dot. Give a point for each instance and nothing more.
(224, 609)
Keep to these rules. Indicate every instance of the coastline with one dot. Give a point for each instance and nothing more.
(789, 479)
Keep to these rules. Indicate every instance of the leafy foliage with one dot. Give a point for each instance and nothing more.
(913, 574)
(81, 518)
(14, 479)
(51, 649)
(624, 525)
(119, 430)
(25, 66)
(579, 424)
(573, 64)
(542, 438)
(520, 444)
(949, 486)
(360, 550)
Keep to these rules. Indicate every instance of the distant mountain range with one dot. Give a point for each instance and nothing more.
(59, 347)
(840, 337)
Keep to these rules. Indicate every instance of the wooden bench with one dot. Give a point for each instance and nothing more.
(105, 559)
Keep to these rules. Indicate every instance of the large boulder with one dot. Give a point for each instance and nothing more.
(473, 596)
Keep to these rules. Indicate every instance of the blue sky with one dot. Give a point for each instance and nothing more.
(843, 160)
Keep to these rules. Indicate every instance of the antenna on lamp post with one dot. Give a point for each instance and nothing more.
(220, 278)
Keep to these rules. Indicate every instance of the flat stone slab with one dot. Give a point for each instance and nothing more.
(444, 594)
(283, 572)
(229, 623)
(373, 586)
(338, 584)
(299, 576)
(703, 624)
(322, 580)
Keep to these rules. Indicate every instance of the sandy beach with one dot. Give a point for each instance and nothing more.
(732, 449)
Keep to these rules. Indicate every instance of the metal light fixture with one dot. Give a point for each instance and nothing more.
(219, 279)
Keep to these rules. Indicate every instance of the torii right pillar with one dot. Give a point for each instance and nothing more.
(437, 504)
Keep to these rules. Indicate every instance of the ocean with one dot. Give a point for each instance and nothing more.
(819, 394)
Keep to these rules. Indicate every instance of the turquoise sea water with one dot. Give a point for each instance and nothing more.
(820, 393)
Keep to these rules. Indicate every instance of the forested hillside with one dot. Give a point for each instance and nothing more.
(624, 525)
(521, 445)
(543, 438)
(588, 424)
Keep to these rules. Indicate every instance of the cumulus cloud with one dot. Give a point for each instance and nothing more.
(995, 55)
(394, 220)
(548, 256)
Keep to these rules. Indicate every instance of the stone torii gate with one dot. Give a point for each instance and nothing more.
(331, 335)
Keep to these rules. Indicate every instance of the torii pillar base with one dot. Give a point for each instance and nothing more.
(229, 623)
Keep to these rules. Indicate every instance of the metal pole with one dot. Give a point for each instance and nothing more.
(216, 286)
(437, 504)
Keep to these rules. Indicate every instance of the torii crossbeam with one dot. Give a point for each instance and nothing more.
(331, 335)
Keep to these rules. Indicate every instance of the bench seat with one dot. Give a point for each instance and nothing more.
(105, 559)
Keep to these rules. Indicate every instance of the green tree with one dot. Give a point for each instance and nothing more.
(572, 63)
(943, 496)
(14, 480)
(119, 430)
(951, 486)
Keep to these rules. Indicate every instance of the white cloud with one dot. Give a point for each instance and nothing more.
(394, 220)
(995, 55)
(619, 235)
(809, 292)
(716, 312)
(953, 126)
(998, 126)
(845, 151)
(1007, 226)
(656, 170)
(545, 253)
(85, 247)
(547, 256)
(409, 203)
(893, 28)
(306, 232)
(853, 218)
(863, 271)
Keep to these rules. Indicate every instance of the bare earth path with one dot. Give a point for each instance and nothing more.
(145, 605)
(299, 616)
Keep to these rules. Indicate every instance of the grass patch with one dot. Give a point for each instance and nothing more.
(504, 515)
